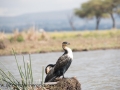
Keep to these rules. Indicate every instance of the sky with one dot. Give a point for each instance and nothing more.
(19, 7)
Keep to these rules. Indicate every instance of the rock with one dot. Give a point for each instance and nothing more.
(65, 84)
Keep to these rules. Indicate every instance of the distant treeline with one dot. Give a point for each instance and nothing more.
(99, 9)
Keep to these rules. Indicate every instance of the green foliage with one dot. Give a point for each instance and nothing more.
(118, 11)
(84, 11)
(90, 9)
(25, 74)
(11, 39)
(20, 38)
(99, 9)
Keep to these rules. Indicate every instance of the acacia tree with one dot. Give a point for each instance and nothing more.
(118, 12)
(116, 4)
(83, 12)
(111, 7)
(91, 9)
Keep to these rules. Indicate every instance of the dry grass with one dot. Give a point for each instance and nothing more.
(29, 35)
(34, 41)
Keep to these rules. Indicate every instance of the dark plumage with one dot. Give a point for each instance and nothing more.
(48, 68)
(61, 65)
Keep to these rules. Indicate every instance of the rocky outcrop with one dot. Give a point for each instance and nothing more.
(64, 84)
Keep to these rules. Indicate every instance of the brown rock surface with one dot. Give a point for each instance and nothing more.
(65, 84)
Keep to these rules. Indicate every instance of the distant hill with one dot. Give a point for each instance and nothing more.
(51, 21)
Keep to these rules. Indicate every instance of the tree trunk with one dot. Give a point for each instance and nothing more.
(71, 24)
(70, 19)
(113, 26)
(97, 22)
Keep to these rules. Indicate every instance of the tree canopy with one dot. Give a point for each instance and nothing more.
(99, 9)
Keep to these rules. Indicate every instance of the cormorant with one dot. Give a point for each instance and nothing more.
(61, 65)
(48, 68)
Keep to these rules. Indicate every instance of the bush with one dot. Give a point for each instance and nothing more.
(11, 39)
(20, 38)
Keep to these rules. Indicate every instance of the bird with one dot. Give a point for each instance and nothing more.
(48, 68)
(62, 64)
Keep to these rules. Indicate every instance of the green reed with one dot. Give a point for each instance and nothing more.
(26, 75)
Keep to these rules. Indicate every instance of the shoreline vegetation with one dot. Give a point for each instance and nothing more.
(34, 41)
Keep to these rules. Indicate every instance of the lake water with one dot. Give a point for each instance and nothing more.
(96, 70)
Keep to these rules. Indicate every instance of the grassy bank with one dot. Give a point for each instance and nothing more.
(37, 42)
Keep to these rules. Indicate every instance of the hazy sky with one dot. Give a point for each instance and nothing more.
(18, 7)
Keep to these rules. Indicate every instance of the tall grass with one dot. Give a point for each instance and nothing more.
(2, 36)
(36, 41)
(29, 35)
(26, 75)
(36, 35)
(85, 34)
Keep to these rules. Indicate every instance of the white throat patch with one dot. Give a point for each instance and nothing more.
(70, 54)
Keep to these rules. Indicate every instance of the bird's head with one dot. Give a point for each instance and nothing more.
(48, 68)
(64, 44)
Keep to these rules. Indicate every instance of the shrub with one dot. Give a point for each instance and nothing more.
(11, 39)
(20, 38)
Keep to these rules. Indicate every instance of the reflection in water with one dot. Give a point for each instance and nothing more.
(96, 70)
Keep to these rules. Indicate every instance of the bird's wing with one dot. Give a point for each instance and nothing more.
(50, 76)
(62, 61)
